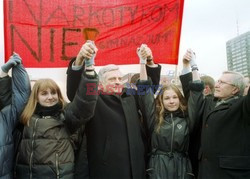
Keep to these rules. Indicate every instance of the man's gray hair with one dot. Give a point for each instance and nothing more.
(106, 69)
(237, 80)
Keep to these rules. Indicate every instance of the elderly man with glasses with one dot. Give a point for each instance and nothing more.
(225, 135)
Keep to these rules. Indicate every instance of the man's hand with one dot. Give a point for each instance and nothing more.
(14, 60)
(189, 59)
(147, 53)
(87, 51)
(144, 53)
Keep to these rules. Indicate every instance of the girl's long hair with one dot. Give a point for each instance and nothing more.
(40, 85)
(160, 109)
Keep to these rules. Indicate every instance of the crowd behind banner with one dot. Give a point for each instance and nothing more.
(142, 129)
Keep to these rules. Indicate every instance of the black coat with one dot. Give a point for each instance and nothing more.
(225, 144)
(195, 134)
(155, 74)
(169, 157)
(114, 139)
(5, 91)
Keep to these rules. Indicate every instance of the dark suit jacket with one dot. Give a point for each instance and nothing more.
(115, 147)
(225, 144)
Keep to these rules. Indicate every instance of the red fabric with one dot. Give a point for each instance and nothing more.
(48, 33)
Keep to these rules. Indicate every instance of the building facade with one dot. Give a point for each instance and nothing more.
(238, 54)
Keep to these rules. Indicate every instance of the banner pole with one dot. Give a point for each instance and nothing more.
(175, 75)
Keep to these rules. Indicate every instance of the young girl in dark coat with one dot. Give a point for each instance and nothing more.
(170, 136)
(169, 129)
(46, 150)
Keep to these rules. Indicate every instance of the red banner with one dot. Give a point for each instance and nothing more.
(48, 33)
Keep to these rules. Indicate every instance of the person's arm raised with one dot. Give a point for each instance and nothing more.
(82, 108)
(76, 67)
(196, 99)
(142, 54)
(146, 95)
(87, 51)
(20, 88)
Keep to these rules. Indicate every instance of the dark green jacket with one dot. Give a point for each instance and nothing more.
(46, 150)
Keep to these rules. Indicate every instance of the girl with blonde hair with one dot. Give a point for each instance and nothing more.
(170, 136)
(46, 150)
(169, 128)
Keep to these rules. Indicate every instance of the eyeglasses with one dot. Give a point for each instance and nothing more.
(223, 82)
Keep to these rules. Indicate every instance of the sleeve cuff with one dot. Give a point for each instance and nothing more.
(90, 76)
(144, 82)
(3, 74)
(185, 70)
(76, 68)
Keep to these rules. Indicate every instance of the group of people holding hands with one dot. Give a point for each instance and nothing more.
(109, 131)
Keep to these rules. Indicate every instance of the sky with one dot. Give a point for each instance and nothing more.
(206, 27)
